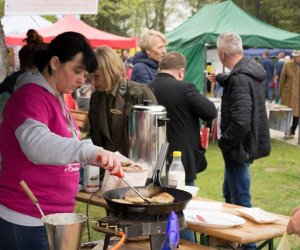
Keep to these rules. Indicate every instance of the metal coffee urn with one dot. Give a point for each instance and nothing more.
(147, 133)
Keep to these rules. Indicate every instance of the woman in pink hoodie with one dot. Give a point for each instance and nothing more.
(39, 143)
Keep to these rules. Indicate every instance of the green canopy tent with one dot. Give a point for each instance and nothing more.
(203, 28)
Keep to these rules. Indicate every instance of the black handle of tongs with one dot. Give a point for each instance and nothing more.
(159, 164)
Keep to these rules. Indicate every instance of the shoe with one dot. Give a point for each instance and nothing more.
(288, 136)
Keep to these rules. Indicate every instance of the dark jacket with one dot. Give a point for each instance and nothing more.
(268, 65)
(115, 137)
(244, 123)
(144, 68)
(9, 82)
(185, 106)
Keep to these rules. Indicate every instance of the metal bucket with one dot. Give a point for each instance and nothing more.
(64, 230)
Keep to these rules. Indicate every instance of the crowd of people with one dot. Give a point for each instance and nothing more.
(40, 142)
(282, 84)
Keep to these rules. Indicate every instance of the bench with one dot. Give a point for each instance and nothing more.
(81, 118)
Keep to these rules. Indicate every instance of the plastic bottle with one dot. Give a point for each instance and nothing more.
(91, 178)
(176, 175)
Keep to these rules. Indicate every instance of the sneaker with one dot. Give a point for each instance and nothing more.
(292, 136)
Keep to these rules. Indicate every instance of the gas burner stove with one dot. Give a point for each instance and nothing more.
(137, 225)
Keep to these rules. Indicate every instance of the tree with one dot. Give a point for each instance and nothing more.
(114, 16)
(195, 5)
(284, 14)
(4, 63)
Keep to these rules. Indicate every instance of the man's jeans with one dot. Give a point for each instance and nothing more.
(16, 237)
(269, 90)
(236, 188)
(236, 185)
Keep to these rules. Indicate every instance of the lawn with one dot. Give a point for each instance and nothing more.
(275, 183)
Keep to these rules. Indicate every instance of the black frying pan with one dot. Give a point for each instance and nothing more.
(181, 200)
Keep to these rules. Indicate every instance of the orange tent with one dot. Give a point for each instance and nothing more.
(70, 23)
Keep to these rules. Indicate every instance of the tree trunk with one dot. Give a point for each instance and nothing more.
(257, 7)
(161, 15)
(4, 64)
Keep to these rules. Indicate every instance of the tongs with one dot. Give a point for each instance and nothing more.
(155, 180)
(134, 189)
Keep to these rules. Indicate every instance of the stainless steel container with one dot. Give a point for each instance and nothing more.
(64, 230)
(147, 133)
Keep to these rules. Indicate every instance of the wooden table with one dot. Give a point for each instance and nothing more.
(95, 200)
(247, 233)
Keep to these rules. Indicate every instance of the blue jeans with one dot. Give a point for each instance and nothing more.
(269, 90)
(185, 233)
(16, 237)
(236, 185)
(236, 188)
(218, 89)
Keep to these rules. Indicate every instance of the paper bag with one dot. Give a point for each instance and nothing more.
(284, 243)
(134, 178)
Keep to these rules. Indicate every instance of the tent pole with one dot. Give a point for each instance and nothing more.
(298, 72)
(204, 70)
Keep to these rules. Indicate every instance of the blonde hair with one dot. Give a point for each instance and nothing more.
(146, 41)
(111, 65)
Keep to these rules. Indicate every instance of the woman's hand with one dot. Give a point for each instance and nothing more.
(294, 223)
(109, 161)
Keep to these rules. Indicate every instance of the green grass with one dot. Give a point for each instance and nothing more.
(275, 183)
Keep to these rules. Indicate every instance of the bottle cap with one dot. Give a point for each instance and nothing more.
(176, 153)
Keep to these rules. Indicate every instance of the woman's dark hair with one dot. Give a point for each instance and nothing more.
(35, 42)
(27, 53)
(33, 37)
(65, 46)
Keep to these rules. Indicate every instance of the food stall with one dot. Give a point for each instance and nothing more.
(251, 230)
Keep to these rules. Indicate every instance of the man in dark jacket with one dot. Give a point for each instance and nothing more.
(185, 106)
(244, 124)
(268, 65)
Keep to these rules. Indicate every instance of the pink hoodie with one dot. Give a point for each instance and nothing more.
(35, 110)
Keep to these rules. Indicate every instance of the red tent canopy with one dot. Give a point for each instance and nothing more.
(70, 23)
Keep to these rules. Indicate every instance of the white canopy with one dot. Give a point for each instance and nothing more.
(19, 25)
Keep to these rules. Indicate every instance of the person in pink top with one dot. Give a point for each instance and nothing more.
(39, 143)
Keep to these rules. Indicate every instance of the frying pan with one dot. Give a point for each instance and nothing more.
(181, 200)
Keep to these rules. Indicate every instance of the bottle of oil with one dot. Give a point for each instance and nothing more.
(176, 174)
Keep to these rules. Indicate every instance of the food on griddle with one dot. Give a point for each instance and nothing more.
(122, 201)
(162, 198)
(147, 192)
(134, 199)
